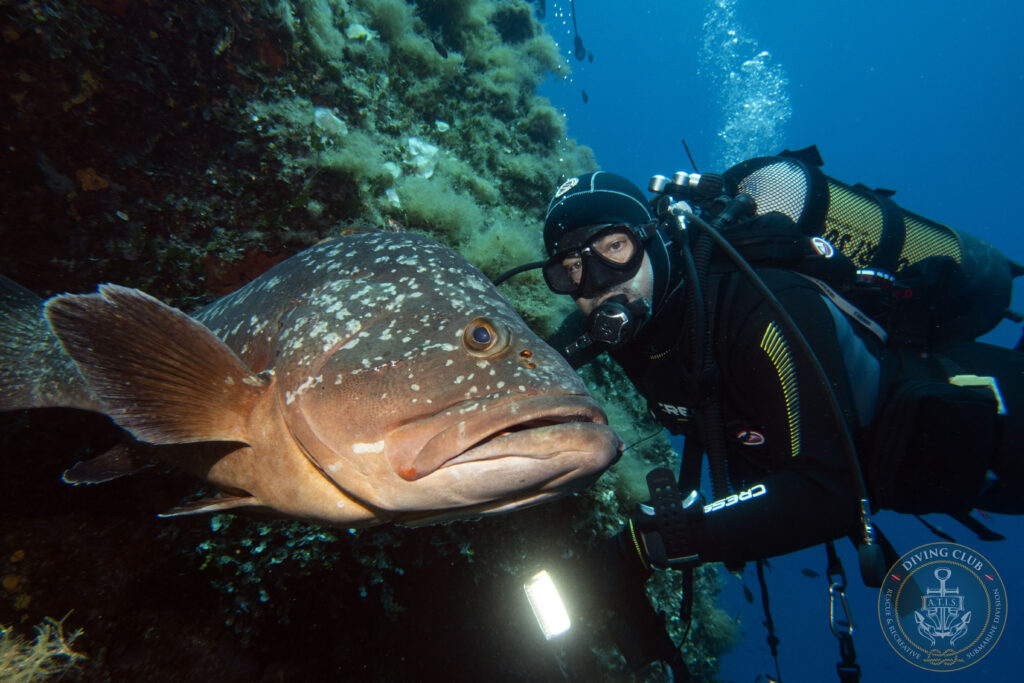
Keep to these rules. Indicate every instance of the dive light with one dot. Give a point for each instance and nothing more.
(547, 605)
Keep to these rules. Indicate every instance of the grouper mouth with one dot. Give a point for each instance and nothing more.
(489, 428)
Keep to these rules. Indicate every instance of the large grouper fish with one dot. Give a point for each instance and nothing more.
(375, 377)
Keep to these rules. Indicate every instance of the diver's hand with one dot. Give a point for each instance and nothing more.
(667, 530)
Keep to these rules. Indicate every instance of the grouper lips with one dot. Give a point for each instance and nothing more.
(494, 427)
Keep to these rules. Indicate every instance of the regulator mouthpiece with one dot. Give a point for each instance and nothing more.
(616, 320)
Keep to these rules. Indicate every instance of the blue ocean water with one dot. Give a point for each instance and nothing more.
(920, 97)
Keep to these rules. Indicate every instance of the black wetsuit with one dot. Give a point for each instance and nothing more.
(785, 462)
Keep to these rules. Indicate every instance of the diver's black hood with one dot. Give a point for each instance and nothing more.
(602, 197)
(668, 276)
(590, 199)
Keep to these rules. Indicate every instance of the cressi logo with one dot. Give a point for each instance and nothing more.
(566, 186)
(748, 437)
(942, 607)
(675, 411)
(823, 247)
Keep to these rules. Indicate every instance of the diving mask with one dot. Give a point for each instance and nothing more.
(592, 259)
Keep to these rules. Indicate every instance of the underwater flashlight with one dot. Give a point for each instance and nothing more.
(547, 605)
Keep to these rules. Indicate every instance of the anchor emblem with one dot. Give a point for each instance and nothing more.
(940, 609)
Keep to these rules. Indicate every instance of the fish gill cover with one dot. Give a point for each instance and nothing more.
(185, 147)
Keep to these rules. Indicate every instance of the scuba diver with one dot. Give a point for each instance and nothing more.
(813, 339)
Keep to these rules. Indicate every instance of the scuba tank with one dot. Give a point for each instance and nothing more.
(940, 285)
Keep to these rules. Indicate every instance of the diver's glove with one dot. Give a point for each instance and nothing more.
(667, 529)
(663, 534)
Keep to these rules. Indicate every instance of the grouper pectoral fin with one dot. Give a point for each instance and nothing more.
(34, 370)
(159, 373)
(124, 459)
(218, 503)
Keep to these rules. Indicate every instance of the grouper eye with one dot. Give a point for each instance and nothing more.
(484, 338)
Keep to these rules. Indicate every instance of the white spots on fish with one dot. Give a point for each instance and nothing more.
(256, 325)
(339, 286)
(476, 284)
(310, 382)
(323, 299)
(386, 334)
(414, 387)
(364, 292)
(361, 447)
(293, 345)
(468, 408)
(318, 330)
(241, 295)
(330, 339)
(449, 363)
(353, 329)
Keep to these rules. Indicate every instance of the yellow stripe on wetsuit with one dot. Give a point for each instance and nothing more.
(777, 350)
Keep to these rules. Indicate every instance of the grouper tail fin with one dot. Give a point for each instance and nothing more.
(159, 373)
(34, 370)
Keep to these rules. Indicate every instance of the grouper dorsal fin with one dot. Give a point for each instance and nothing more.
(160, 374)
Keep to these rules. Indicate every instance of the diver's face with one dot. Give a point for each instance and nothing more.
(640, 286)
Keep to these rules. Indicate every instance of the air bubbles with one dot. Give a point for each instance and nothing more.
(754, 99)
